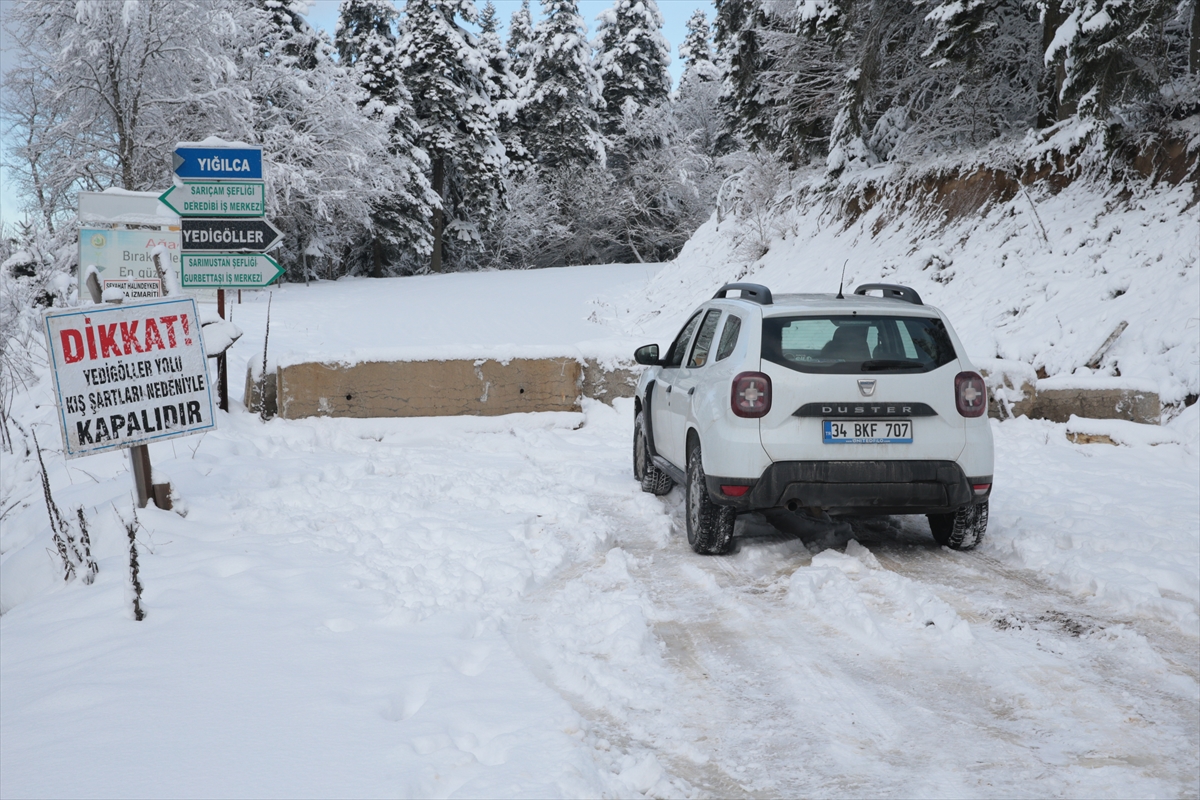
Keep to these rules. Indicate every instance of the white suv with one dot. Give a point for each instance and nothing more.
(853, 405)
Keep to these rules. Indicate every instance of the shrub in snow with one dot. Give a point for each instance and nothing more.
(74, 552)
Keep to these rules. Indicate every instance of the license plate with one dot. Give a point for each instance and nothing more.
(876, 431)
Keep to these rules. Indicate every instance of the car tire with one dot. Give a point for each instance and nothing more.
(962, 530)
(709, 526)
(653, 480)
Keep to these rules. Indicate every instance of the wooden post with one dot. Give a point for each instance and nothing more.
(143, 474)
(222, 372)
(139, 454)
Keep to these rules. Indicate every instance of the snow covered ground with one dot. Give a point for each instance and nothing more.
(491, 607)
(512, 314)
(466, 606)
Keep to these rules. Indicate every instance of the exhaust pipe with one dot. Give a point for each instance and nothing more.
(793, 506)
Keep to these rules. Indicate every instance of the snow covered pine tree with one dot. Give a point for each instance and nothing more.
(325, 161)
(448, 77)
(562, 92)
(400, 232)
(632, 57)
(503, 85)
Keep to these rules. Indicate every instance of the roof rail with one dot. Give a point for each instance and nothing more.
(754, 292)
(892, 292)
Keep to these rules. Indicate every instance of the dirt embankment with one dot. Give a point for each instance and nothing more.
(955, 192)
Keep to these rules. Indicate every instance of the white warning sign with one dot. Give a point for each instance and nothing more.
(129, 374)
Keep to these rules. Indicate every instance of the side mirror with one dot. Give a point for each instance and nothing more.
(647, 354)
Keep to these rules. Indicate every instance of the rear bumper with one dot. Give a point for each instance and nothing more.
(856, 487)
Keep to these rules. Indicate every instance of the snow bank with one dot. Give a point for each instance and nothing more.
(1117, 524)
(1121, 431)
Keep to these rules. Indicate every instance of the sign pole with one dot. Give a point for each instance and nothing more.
(143, 473)
(139, 455)
(220, 197)
(222, 372)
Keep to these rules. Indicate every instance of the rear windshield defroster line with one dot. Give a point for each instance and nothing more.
(857, 344)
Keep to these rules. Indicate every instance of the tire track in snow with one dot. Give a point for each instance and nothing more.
(1008, 687)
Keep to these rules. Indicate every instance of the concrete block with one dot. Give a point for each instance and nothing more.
(1134, 405)
(607, 384)
(1119, 432)
(1012, 388)
(251, 399)
(1006, 401)
(1089, 438)
(429, 388)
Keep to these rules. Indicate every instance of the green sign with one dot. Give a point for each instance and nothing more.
(216, 199)
(228, 270)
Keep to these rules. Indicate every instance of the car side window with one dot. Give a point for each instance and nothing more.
(679, 346)
(729, 336)
(704, 339)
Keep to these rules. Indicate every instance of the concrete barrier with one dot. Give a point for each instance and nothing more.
(1133, 405)
(605, 383)
(489, 388)
(437, 388)
(251, 396)
(1015, 390)
(428, 388)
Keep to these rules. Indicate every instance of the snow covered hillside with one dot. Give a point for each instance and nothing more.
(1043, 278)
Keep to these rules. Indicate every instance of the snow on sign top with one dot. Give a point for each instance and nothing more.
(217, 163)
(117, 206)
(129, 374)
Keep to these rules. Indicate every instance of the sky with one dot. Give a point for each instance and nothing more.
(323, 14)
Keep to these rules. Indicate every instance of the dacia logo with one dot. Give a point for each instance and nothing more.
(866, 386)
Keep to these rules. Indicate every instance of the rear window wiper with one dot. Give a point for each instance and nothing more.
(884, 363)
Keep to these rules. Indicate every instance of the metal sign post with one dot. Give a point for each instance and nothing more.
(222, 366)
(221, 198)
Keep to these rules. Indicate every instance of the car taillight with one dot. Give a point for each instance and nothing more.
(970, 395)
(751, 395)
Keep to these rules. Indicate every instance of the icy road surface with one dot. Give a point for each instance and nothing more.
(490, 607)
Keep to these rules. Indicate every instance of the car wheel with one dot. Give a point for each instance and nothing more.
(709, 526)
(961, 530)
(653, 479)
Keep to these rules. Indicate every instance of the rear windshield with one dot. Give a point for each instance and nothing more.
(860, 343)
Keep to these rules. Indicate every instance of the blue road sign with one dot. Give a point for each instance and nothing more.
(217, 163)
